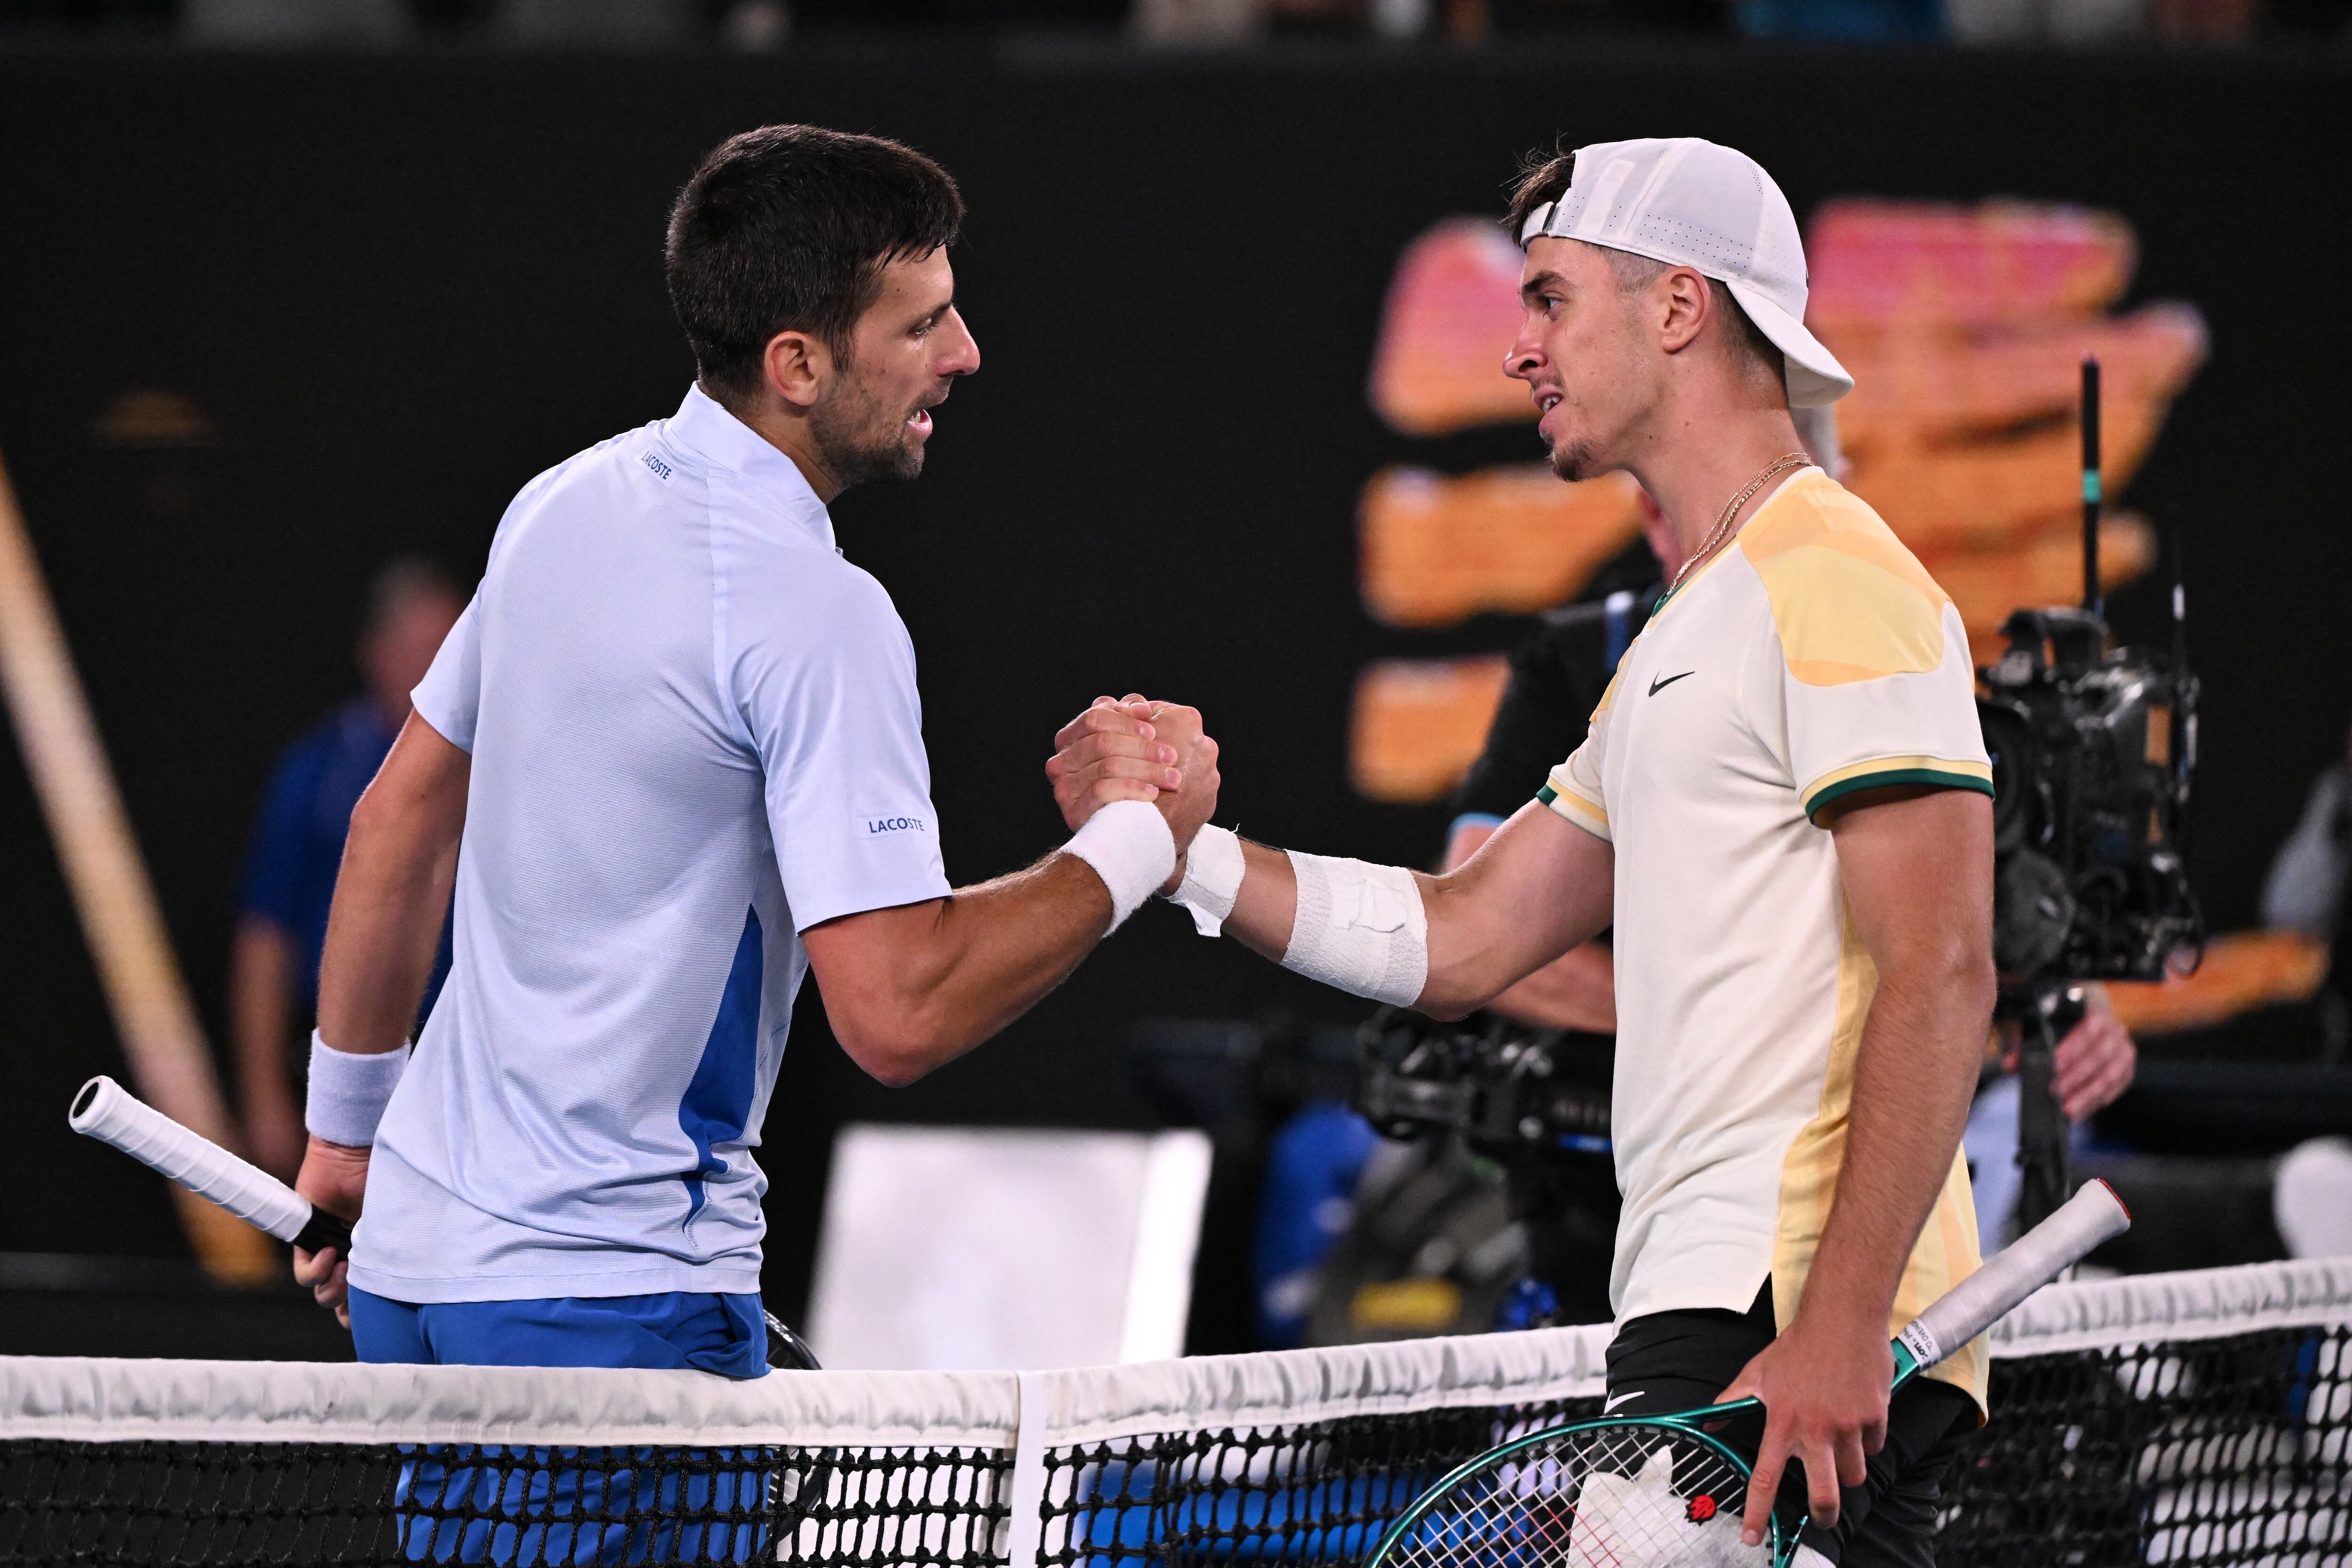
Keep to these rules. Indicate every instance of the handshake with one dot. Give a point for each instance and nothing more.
(1132, 748)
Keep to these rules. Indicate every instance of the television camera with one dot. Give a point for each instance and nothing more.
(2093, 751)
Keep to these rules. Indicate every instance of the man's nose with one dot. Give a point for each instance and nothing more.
(1523, 361)
(963, 355)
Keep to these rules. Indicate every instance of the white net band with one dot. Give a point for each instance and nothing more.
(92, 1399)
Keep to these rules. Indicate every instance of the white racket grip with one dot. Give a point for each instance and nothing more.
(107, 1112)
(2017, 1271)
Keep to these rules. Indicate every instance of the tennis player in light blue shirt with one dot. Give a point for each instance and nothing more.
(672, 757)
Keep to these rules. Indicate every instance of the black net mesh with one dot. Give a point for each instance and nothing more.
(2202, 1453)
(298, 1503)
(2199, 1453)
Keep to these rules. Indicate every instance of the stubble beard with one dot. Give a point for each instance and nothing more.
(859, 441)
(1573, 462)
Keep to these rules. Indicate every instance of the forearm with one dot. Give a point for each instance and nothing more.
(1267, 905)
(1535, 889)
(958, 969)
(1913, 1075)
(381, 934)
(1578, 990)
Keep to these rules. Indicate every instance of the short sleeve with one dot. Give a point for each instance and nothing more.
(1573, 790)
(825, 685)
(450, 696)
(1876, 683)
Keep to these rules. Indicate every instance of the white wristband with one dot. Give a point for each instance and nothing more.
(349, 1090)
(1129, 847)
(1212, 880)
(1361, 928)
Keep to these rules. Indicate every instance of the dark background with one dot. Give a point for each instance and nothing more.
(402, 286)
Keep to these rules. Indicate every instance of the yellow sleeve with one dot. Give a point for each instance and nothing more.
(1876, 682)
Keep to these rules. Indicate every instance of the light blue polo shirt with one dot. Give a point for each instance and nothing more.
(695, 733)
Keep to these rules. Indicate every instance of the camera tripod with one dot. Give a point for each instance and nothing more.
(2045, 1011)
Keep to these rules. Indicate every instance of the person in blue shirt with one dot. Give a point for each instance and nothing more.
(289, 877)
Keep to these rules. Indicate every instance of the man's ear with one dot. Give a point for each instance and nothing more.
(1683, 305)
(797, 367)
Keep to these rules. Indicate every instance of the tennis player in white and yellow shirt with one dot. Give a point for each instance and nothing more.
(1784, 806)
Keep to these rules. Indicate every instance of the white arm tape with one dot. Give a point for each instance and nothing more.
(1212, 880)
(1129, 847)
(1361, 928)
(349, 1090)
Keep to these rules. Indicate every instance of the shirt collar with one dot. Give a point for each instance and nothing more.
(727, 443)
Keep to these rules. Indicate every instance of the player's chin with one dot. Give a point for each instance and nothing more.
(905, 461)
(1573, 461)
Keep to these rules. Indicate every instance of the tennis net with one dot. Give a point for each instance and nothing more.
(2188, 1419)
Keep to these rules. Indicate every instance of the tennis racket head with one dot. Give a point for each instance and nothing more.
(1619, 1492)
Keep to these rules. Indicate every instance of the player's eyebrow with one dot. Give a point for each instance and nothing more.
(1541, 281)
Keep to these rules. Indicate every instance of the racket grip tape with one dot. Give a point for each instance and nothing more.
(324, 1230)
(2017, 1271)
(107, 1112)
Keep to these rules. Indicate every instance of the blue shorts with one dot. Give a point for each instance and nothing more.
(504, 1504)
(701, 1330)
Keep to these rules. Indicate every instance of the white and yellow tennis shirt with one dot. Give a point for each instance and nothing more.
(1813, 658)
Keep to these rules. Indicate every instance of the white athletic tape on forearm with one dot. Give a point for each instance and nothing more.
(349, 1092)
(1129, 847)
(1212, 880)
(105, 1110)
(1361, 928)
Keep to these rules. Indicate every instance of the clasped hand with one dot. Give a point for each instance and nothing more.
(1131, 748)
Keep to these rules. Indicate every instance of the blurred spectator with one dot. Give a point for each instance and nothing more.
(265, 23)
(2075, 22)
(2095, 1064)
(755, 26)
(1197, 21)
(2311, 1202)
(1842, 21)
(298, 847)
(2305, 892)
(592, 23)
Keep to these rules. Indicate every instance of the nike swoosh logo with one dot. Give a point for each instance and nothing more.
(1658, 685)
(1620, 1399)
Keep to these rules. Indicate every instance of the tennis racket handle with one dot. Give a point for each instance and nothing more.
(2017, 1271)
(107, 1112)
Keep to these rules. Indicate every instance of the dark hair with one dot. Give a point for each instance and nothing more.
(1544, 177)
(788, 227)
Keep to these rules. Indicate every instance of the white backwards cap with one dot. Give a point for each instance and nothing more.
(1689, 203)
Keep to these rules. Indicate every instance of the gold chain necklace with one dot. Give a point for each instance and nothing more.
(1779, 465)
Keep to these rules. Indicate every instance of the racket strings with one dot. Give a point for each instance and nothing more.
(1609, 1495)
